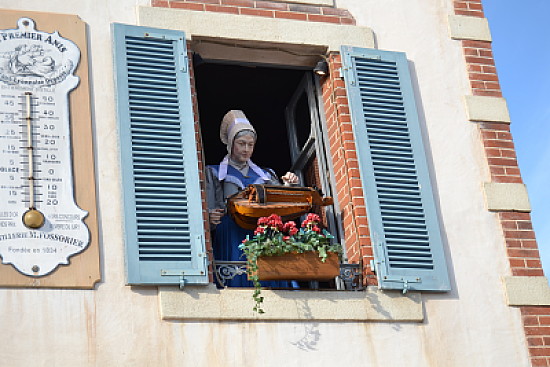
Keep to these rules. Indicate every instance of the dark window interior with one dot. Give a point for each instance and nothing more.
(262, 93)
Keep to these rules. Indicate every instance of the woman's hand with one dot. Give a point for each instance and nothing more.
(290, 179)
(215, 216)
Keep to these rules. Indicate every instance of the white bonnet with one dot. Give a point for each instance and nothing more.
(233, 122)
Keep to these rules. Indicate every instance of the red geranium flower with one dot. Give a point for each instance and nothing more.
(288, 226)
(274, 221)
(311, 221)
(263, 221)
(259, 230)
(312, 217)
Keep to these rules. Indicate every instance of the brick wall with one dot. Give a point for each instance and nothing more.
(500, 152)
(349, 188)
(481, 68)
(521, 245)
(200, 155)
(471, 8)
(536, 321)
(262, 8)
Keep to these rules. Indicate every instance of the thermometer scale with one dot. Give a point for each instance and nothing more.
(32, 218)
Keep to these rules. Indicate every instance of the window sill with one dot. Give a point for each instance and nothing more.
(209, 303)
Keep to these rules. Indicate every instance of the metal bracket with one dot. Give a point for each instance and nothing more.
(372, 57)
(227, 270)
(154, 35)
(204, 255)
(352, 276)
(184, 63)
(349, 74)
(181, 274)
(406, 281)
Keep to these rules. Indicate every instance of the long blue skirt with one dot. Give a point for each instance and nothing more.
(227, 238)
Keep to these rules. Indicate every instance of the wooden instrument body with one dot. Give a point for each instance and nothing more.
(289, 202)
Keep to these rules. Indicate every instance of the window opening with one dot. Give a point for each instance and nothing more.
(282, 105)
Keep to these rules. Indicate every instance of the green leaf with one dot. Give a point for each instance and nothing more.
(323, 254)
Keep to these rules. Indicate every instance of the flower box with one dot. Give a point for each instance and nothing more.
(298, 266)
(281, 251)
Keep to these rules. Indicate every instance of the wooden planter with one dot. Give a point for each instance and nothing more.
(295, 266)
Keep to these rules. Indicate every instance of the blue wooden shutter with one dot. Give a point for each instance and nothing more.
(164, 230)
(401, 211)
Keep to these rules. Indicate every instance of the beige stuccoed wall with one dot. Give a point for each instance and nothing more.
(116, 325)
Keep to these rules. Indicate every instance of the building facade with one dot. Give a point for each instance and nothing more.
(111, 110)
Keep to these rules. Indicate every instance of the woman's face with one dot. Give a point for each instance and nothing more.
(243, 147)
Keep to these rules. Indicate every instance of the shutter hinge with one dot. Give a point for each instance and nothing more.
(199, 244)
(406, 281)
(176, 273)
(204, 256)
(184, 63)
(181, 274)
(346, 73)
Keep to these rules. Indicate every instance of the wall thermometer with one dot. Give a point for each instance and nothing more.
(41, 226)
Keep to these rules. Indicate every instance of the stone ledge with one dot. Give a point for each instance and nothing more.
(463, 27)
(260, 29)
(490, 109)
(209, 303)
(507, 197)
(527, 291)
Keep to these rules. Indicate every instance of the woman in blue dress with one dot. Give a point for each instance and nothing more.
(235, 172)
